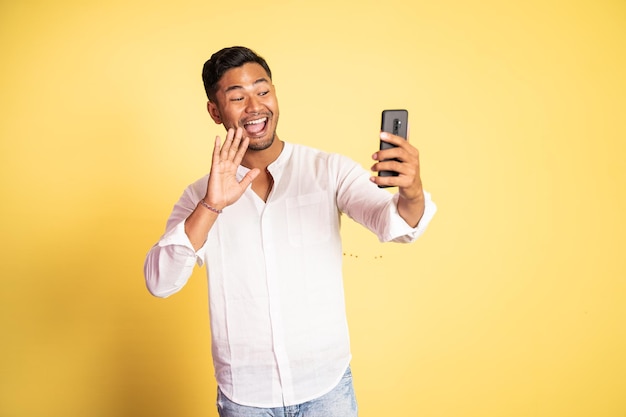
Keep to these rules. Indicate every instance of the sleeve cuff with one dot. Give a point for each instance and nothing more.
(399, 230)
(176, 236)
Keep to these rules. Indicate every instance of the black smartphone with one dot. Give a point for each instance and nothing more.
(395, 122)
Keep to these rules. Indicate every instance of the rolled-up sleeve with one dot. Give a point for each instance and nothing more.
(170, 262)
(399, 230)
(373, 207)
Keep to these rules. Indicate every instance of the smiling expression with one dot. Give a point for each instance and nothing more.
(246, 98)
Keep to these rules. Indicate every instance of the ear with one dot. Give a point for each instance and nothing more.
(214, 112)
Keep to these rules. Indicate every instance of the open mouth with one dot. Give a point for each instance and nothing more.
(255, 127)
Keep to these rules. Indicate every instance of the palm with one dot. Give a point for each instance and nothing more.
(223, 188)
(223, 182)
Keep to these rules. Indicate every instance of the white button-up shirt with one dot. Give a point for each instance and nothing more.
(278, 321)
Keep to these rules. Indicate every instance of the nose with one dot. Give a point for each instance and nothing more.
(254, 105)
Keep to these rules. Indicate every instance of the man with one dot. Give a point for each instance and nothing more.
(265, 221)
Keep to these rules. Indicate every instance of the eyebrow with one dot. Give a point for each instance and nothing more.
(237, 87)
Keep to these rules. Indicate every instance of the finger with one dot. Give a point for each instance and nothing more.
(390, 165)
(216, 150)
(249, 177)
(234, 149)
(393, 139)
(402, 149)
(227, 144)
(396, 153)
(390, 153)
(383, 181)
(241, 151)
(401, 180)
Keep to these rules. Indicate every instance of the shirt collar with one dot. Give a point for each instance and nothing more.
(276, 167)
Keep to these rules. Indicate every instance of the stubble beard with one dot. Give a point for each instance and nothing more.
(261, 146)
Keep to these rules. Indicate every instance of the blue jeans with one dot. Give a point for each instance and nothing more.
(340, 402)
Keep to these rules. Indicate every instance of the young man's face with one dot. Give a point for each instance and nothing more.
(246, 98)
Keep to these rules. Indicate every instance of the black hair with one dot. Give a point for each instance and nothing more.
(225, 59)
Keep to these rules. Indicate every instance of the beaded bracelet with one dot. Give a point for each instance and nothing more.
(214, 210)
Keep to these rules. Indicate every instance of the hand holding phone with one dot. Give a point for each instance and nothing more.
(394, 122)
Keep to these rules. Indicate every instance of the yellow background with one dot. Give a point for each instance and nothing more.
(512, 304)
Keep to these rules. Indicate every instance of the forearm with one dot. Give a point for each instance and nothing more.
(198, 224)
(171, 261)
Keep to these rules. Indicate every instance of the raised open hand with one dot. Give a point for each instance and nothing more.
(223, 188)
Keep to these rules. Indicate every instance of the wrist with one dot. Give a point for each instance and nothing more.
(216, 210)
(413, 198)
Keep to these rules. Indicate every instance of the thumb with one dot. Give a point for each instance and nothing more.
(249, 177)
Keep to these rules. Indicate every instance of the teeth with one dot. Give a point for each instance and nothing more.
(256, 122)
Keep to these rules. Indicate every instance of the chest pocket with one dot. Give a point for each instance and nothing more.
(308, 219)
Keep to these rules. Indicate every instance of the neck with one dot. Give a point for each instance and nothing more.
(262, 159)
